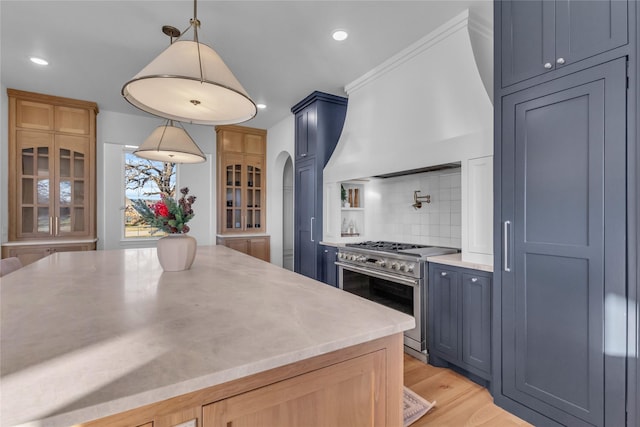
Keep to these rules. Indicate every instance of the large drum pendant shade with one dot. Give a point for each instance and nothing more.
(189, 82)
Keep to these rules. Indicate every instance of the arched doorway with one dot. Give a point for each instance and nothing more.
(287, 215)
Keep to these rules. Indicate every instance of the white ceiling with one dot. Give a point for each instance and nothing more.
(279, 50)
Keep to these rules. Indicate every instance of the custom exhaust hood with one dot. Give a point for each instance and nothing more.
(425, 106)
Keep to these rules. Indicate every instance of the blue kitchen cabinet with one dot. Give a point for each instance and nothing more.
(329, 268)
(318, 123)
(563, 209)
(460, 320)
(566, 168)
(539, 36)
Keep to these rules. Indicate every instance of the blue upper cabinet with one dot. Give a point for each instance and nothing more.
(306, 133)
(539, 36)
(318, 123)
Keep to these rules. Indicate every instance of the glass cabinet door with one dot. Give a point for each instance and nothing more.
(255, 183)
(72, 173)
(35, 169)
(233, 219)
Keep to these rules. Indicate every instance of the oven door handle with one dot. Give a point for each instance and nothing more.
(378, 274)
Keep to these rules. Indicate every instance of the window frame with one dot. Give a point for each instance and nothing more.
(129, 149)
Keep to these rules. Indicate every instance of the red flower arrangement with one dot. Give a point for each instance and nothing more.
(167, 214)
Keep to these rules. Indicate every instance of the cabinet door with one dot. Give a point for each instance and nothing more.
(306, 245)
(254, 179)
(476, 321)
(306, 133)
(73, 186)
(349, 393)
(72, 120)
(259, 248)
(240, 245)
(330, 271)
(563, 207)
(587, 28)
(34, 115)
(232, 166)
(34, 206)
(26, 254)
(539, 35)
(443, 301)
(528, 38)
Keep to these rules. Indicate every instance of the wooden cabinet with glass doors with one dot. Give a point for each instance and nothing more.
(241, 180)
(51, 171)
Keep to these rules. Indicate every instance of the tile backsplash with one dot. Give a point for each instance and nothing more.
(391, 216)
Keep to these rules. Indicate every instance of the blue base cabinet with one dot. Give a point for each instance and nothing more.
(460, 319)
(318, 123)
(329, 268)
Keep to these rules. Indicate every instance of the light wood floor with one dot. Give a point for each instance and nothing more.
(459, 401)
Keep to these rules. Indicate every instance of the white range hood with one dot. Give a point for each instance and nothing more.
(425, 106)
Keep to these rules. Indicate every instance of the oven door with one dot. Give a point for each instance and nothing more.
(395, 291)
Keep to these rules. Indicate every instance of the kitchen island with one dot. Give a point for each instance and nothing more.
(107, 336)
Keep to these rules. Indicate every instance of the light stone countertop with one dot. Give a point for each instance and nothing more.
(456, 261)
(88, 334)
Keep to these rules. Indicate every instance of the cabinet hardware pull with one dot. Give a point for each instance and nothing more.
(507, 224)
(560, 61)
(474, 279)
(57, 231)
(548, 65)
(303, 155)
(312, 219)
(51, 226)
(444, 273)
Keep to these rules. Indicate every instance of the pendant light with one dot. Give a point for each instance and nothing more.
(172, 144)
(189, 82)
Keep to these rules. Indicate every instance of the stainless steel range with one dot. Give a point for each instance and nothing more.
(395, 275)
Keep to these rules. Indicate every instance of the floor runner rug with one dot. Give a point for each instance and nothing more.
(414, 406)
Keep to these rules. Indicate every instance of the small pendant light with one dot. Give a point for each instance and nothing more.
(172, 144)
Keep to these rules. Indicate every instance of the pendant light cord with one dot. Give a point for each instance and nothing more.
(195, 23)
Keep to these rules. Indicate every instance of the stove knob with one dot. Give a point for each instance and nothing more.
(362, 258)
(403, 267)
(395, 266)
(381, 263)
(352, 257)
(410, 268)
(340, 255)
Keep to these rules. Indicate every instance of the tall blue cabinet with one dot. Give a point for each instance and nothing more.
(565, 328)
(318, 123)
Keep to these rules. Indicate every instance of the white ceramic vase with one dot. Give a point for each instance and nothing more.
(176, 252)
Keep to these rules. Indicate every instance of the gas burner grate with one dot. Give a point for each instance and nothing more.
(385, 246)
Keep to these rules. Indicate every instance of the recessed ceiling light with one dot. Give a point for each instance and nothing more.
(38, 61)
(261, 106)
(340, 35)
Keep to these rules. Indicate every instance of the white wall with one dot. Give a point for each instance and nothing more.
(4, 163)
(280, 146)
(389, 214)
(114, 131)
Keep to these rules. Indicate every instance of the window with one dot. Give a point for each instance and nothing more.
(147, 180)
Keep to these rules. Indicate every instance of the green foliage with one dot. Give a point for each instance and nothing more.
(167, 215)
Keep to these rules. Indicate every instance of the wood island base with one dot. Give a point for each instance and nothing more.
(355, 386)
